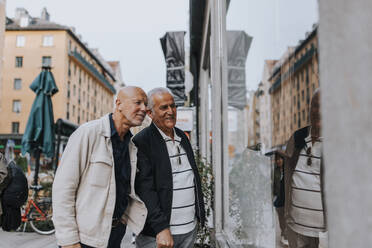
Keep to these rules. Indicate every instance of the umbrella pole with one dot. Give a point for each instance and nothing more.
(37, 165)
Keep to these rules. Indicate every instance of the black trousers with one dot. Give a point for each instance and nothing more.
(116, 236)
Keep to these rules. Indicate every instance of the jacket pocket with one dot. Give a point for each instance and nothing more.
(100, 171)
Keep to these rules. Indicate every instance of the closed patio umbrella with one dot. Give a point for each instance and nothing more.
(39, 133)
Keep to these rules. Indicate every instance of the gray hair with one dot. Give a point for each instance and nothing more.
(155, 91)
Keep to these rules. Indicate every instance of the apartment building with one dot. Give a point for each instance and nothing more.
(294, 79)
(85, 81)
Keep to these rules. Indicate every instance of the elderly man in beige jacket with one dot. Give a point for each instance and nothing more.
(93, 191)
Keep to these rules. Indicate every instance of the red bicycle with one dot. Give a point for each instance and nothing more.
(38, 212)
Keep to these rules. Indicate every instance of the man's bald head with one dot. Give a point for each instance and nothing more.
(131, 106)
(129, 91)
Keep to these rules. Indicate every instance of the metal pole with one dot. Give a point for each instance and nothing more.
(56, 159)
(37, 166)
(219, 106)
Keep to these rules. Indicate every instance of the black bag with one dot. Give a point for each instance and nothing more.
(13, 197)
(11, 218)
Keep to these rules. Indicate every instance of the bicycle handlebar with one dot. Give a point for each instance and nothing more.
(36, 187)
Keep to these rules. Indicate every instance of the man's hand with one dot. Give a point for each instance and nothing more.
(72, 246)
(164, 239)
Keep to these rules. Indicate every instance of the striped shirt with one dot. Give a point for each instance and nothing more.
(183, 203)
(306, 212)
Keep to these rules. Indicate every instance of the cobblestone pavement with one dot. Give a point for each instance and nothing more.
(34, 240)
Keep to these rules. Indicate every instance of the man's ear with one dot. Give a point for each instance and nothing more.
(149, 113)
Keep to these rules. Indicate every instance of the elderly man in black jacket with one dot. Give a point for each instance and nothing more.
(168, 180)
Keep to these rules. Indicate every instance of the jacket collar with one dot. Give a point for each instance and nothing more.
(105, 126)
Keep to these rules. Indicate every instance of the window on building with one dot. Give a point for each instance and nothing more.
(303, 115)
(302, 75)
(19, 61)
(79, 96)
(48, 40)
(302, 95)
(16, 106)
(15, 127)
(20, 41)
(17, 84)
(68, 111)
(74, 90)
(73, 110)
(294, 119)
(69, 68)
(68, 89)
(46, 61)
(69, 45)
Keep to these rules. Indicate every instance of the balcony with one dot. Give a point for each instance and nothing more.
(307, 56)
(89, 67)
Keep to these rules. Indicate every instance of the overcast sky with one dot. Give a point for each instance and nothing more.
(129, 30)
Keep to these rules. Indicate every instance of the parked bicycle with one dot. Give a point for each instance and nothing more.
(38, 212)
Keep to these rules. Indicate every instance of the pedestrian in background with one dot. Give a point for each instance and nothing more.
(93, 190)
(304, 205)
(279, 194)
(3, 177)
(168, 180)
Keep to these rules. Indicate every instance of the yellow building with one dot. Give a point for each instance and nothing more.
(85, 81)
(294, 79)
(2, 30)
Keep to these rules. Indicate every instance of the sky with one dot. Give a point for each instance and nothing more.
(129, 31)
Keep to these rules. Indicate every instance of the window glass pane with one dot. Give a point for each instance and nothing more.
(15, 127)
(16, 106)
(17, 84)
(47, 61)
(48, 40)
(19, 61)
(21, 40)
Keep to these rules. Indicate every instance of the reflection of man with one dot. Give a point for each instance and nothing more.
(304, 206)
(168, 179)
(93, 191)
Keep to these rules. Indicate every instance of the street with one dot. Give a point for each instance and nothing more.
(34, 240)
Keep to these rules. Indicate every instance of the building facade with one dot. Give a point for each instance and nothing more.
(86, 85)
(2, 31)
(253, 120)
(264, 106)
(294, 79)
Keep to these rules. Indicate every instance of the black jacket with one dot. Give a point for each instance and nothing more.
(154, 180)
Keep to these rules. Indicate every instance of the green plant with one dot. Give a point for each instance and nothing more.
(204, 235)
(21, 162)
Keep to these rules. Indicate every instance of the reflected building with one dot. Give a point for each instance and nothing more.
(264, 106)
(294, 78)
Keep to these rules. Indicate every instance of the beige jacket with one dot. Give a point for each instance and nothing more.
(84, 188)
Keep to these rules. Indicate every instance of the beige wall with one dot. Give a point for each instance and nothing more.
(32, 54)
(2, 30)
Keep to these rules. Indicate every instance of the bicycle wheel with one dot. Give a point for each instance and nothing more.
(41, 219)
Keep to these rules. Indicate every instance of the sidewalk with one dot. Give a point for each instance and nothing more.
(34, 240)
